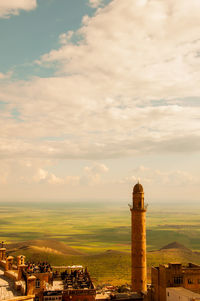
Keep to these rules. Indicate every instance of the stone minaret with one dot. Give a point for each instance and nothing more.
(138, 254)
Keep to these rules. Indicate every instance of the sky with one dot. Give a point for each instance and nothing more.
(96, 95)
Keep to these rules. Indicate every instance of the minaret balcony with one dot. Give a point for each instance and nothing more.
(132, 207)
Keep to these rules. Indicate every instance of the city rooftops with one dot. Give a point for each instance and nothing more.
(76, 278)
(40, 267)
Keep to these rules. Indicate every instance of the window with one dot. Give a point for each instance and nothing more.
(37, 283)
(178, 280)
(190, 281)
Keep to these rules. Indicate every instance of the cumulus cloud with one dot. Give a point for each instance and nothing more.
(64, 38)
(30, 171)
(93, 174)
(160, 177)
(123, 89)
(97, 168)
(142, 49)
(44, 176)
(13, 7)
(6, 75)
(95, 3)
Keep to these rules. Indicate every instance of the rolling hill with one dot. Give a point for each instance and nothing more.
(50, 246)
(112, 266)
(173, 252)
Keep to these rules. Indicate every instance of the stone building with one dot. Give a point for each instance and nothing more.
(173, 275)
(37, 282)
(78, 285)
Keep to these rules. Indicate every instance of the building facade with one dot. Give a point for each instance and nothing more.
(174, 275)
(38, 282)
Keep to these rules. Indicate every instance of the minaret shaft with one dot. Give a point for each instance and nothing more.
(138, 254)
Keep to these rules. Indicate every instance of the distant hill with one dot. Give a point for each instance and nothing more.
(51, 246)
(110, 266)
(175, 245)
(173, 252)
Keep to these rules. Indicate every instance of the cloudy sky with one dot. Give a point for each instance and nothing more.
(96, 94)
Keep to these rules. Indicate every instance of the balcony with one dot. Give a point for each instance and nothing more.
(136, 207)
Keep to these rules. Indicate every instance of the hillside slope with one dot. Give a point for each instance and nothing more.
(173, 252)
(112, 266)
(50, 246)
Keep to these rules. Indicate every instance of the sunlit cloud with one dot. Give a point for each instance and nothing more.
(95, 3)
(126, 84)
(10, 7)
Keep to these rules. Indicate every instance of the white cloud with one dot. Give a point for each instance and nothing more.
(44, 176)
(12, 7)
(64, 38)
(41, 175)
(97, 168)
(6, 75)
(39, 178)
(30, 171)
(159, 177)
(95, 3)
(142, 51)
(123, 90)
(93, 174)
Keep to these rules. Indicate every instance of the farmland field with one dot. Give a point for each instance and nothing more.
(99, 234)
(97, 227)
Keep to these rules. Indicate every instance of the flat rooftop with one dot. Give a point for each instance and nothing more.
(184, 292)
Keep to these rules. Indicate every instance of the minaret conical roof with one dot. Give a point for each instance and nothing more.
(138, 188)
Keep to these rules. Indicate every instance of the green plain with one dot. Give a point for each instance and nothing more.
(96, 227)
(102, 232)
